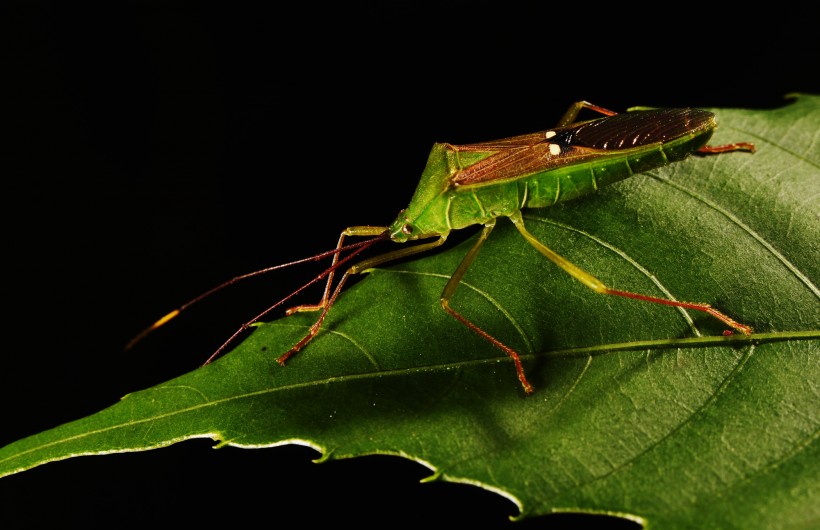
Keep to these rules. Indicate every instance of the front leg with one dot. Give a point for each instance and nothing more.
(359, 231)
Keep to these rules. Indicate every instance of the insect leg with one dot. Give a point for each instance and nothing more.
(717, 149)
(360, 231)
(598, 286)
(450, 289)
(572, 112)
(327, 301)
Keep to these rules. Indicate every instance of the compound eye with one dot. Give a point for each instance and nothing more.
(407, 229)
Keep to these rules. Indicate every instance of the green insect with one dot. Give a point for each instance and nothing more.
(474, 184)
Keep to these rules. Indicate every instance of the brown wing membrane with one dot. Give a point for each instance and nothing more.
(519, 162)
(523, 140)
(635, 129)
(527, 154)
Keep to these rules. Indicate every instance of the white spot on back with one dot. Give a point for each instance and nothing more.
(550, 134)
(555, 149)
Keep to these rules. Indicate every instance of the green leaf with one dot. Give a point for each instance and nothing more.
(640, 410)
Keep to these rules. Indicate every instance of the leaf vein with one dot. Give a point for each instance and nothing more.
(630, 260)
(481, 293)
(746, 228)
(677, 428)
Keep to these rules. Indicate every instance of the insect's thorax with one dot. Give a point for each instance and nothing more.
(442, 202)
(438, 206)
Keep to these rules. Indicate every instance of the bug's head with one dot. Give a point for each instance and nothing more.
(403, 229)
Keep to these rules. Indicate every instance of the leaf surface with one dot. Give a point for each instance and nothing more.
(640, 410)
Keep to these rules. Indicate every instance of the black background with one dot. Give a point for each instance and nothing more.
(158, 149)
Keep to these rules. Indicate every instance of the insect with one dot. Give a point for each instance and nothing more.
(475, 184)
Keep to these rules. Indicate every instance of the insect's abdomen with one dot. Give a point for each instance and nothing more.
(625, 151)
(540, 170)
